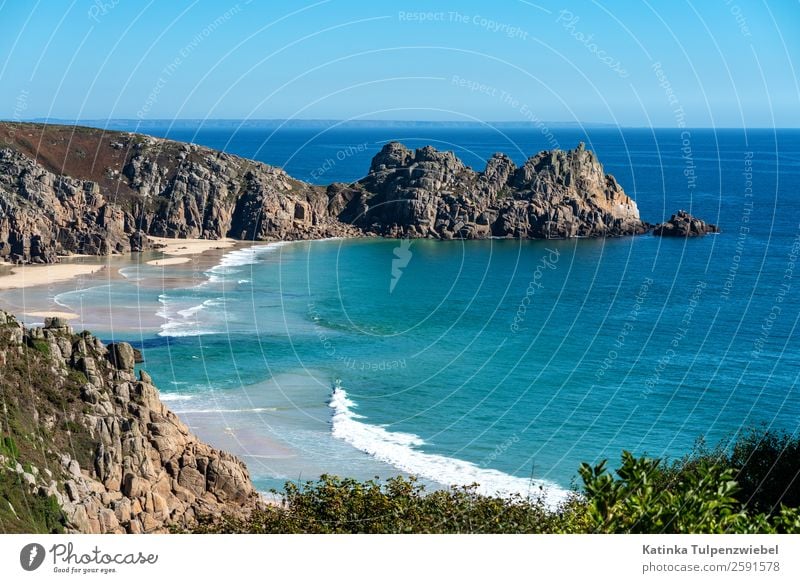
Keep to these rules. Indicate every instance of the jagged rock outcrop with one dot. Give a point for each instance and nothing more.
(116, 459)
(682, 224)
(427, 193)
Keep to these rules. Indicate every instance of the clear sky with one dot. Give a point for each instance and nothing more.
(663, 63)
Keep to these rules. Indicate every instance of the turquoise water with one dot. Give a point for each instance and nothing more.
(495, 361)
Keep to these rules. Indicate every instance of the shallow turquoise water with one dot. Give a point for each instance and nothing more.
(499, 360)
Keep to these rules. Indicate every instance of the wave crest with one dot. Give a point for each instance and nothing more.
(398, 449)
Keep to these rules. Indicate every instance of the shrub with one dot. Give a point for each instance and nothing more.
(41, 346)
(699, 501)
(699, 495)
(768, 470)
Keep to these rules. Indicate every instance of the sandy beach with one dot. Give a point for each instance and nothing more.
(179, 250)
(169, 261)
(180, 247)
(24, 276)
(31, 290)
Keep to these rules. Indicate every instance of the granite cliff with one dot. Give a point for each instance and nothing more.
(87, 446)
(66, 189)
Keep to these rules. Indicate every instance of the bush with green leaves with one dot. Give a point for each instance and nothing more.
(399, 505)
(639, 501)
(698, 495)
(767, 470)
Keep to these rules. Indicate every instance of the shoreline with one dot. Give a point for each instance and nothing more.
(178, 251)
(237, 427)
(31, 291)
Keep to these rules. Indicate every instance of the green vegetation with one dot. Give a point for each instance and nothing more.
(21, 512)
(8, 448)
(41, 346)
(750, 489)
(32, 392)
(700, 497)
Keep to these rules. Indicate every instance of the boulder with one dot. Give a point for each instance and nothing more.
(122, 355)
(682, 224)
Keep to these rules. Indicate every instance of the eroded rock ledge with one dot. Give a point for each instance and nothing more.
(99, 441)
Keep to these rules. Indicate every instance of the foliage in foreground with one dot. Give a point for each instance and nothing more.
(751, 489)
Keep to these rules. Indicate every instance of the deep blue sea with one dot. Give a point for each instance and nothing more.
(502, 362)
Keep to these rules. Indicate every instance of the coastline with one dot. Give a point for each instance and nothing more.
(252, 422)
(178, 251)
(32, 291)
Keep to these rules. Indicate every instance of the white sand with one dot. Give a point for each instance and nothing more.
(31, 275)
(65, 315)
(190, 246)
(26, 276)
(169, 261)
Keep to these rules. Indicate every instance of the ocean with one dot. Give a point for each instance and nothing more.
(500, 362)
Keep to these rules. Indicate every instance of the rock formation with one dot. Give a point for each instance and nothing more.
(97, 440)
(682, 224)
(66, 189)
(426, 193)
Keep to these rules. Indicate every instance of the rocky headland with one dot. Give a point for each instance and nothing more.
(67, 189)
(87, 445)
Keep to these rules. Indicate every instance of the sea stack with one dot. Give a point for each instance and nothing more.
(682, 224)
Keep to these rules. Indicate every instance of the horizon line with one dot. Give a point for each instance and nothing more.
(378, 122)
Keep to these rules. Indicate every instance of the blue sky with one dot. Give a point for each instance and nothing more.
(699, 63)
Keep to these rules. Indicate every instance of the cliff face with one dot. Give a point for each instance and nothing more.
(43, 214)
(82, 433)
(67, 189)
(426, 193)
(81, 190)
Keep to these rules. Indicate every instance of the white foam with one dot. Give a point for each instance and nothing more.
(247, 256)
(132, 272)
(181, 330)
(184, 322)
(175, 397)
(252, 410)
(398, 449)
(187, 321)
